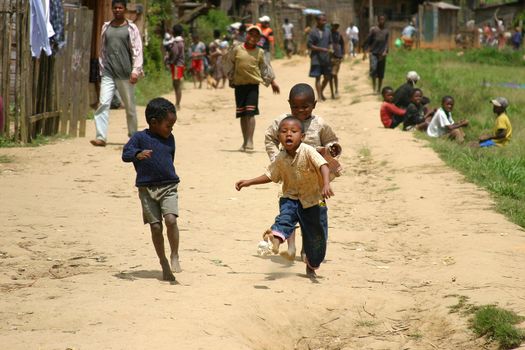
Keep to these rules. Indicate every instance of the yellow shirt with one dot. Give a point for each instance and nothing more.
(502, 122)
(300, 175)
(247, 63)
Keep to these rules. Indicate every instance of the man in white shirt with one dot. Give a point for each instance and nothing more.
(288, 38)
(352, 34)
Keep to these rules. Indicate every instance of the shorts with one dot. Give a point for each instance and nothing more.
(487, 143)
(177, 72)
(157, 201)
(316, 70)
(197, 66)
(377, 66)
(336, 64)
(314, 227)
(247, 100)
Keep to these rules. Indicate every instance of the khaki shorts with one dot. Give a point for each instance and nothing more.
(336, 64)
(158, 201)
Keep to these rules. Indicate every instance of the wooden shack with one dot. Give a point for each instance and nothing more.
(438, 25)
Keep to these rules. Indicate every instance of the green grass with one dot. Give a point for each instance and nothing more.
(491, 321)
(499, 170)
(498, 324)
(153, 85)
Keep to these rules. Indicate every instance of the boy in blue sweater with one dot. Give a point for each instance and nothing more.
(152, 152)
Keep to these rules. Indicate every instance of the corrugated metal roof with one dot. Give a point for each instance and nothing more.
(444, 5)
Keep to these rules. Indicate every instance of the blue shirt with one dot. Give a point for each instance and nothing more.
(157, 170)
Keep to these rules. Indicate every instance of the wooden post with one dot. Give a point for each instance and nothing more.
(370, 13)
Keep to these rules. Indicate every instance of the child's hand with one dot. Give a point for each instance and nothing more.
(240, 184)
(335, 150)
(275, 88)
(327, 191)
(464, 122)
(144, 154)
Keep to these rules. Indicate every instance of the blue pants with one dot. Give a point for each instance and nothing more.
(314, 227)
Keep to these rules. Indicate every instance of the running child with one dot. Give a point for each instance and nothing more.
(318, 134)
(246, 68)
(305, 178)
(152, 152)
(391, 115)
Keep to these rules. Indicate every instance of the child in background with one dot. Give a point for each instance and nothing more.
(502, 130)
(305, 178)
(415, 116)
(318, 134)
(152, 152)
(442, 123)
(246, 68)
(197, 54)
(391, 115)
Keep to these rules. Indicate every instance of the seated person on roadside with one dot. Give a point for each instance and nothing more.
(403, 94)
(415, 116)
(442, 123)
(305, 178)
(391, 115)
(318, 134)
(502, 130)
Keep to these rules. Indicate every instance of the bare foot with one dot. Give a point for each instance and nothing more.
(288, 256)
(175, 265)
(167, 275)
(310, 272)
(275, 244)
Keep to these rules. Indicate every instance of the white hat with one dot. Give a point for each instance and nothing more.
(264, 19)
(254, 27)
(412, 75)
(500, 102)
(236, 25)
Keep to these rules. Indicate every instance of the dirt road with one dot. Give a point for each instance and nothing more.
(78, 270)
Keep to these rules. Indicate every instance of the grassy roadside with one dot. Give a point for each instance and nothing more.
(153, 85)
(473, 84)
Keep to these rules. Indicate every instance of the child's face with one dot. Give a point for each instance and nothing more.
(253, 37)
(290, 135)
(416, 98)
(388, 96)
(302, 106)
(497, 110)
(448, 105)
(163, 127)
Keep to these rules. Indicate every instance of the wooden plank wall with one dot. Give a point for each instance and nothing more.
(45, 95)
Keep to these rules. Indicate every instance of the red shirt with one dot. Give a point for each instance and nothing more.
(388, 110)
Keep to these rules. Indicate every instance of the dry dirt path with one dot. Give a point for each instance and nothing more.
(78, 270)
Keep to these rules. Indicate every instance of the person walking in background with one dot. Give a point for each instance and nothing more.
(197, 53)
(319, 42)
(215, 59)
(267, 41)
(376, 44)
(516, 38)
(288, 38)
(120, 67)
(408, 35)
(352, 34)
(246, 67)
(338, 49)
(174, 59)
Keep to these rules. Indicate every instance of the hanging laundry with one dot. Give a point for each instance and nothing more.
(56, 10)
(39, 39)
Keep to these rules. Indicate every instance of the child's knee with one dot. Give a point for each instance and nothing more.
(170, 219)
(156, 228)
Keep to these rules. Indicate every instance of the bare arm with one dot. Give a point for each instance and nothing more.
(263, 179)
(326, 191)
(458, 125)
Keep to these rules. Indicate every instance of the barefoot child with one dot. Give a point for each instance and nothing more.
(246, 68)
(305, 180)
(152, 152)
(318, 134)
(442, 124)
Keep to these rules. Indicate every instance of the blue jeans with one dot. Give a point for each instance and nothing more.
(314, 227)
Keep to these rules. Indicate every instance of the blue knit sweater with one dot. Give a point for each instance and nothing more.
(157, 170)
